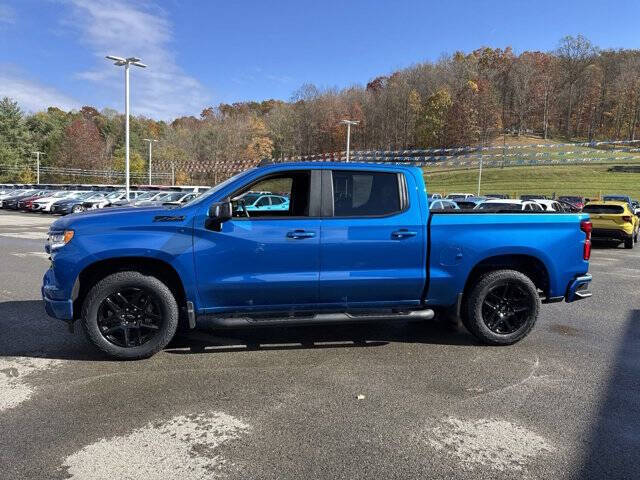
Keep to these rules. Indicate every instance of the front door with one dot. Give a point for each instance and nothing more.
(263, 259)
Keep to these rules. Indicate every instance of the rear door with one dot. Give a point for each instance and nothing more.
(372, 247)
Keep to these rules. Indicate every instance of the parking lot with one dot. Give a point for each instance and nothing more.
(382, 400)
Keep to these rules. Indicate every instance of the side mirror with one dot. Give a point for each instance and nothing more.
(219, 213)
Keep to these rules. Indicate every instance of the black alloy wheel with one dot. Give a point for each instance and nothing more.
(501, 307)
(506, 307)
(129, 317)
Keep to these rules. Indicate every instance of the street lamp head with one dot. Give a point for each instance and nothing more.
(119, 61)
(149, 139)
(116, 59)
(350, 122)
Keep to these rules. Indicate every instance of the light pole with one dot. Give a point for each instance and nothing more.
(150, 140)
(348, 123)
(480, 175)
(37, 154)
(126, 62)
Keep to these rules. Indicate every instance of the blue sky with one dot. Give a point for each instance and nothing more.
(203, 52)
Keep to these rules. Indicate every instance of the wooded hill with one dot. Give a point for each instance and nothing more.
(577, 91)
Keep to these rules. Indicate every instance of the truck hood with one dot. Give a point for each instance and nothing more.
(114, 218)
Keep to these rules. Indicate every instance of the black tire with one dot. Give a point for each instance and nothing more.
(635, 237)
(158, 300)
(77, 209)
(501, 321)
(628, 243)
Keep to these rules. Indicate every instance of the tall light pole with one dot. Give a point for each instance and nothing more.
(126, 62)
(37, 154)
(480, 176)
(151, 141)
(348, 123)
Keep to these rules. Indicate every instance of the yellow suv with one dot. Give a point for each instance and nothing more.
(613, 221)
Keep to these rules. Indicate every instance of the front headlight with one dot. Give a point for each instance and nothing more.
(59, 239)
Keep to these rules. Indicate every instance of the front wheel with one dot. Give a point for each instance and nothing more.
(130, 315)
(502, 307)
(628, 243)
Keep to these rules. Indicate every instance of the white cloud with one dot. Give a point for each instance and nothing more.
(31, 95)
(118, 27)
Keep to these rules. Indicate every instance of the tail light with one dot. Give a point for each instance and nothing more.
(586, 226)
(627, 218)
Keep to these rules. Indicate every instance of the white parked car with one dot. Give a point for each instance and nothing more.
(459, 196)
(510, 204)
(550, 205)
(44, 204)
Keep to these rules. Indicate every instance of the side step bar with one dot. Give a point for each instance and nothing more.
(319, 318)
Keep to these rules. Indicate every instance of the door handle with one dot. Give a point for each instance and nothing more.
(403, 233)
(299, 234)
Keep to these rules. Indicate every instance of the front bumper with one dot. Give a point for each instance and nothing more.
(60, 210)
(55, 304)
(578, 289)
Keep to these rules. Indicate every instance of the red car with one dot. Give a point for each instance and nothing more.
(574, 200)
(26, 203)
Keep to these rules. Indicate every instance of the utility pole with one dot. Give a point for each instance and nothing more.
(37, 154)
(348, 123)
(126, 62)
(173, 174)
(150, 140)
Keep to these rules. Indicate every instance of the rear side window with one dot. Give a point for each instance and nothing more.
(365, 194)
(604, 209)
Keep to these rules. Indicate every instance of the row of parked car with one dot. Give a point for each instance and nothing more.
(65, 199)
(615, 218)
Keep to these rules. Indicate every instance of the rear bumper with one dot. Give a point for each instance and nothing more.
(578, 289)
(610, 234)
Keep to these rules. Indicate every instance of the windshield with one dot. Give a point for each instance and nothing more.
(114, 195)
(95, 196)
(571, 199)
(148, 195)
(250, 198)
(604, 209)
(173, 197)
(499, 206)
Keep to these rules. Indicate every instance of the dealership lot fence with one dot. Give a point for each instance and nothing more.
(467, 157)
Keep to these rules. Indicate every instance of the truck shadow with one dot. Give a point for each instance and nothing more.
(614, 441)
(369, 334)
(27, 331)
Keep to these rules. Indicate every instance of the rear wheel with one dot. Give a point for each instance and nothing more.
(502, 307)
(628, 242)
(77, 209)
(130, 315)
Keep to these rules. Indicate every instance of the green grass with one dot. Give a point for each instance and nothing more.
(589, 180)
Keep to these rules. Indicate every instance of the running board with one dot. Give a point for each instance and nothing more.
(319, 318)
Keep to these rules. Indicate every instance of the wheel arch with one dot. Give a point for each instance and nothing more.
(529, 265)
(100, 269)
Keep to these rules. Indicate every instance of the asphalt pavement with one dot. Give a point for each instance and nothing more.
(381, 400)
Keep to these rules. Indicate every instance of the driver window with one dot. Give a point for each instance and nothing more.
(253, 201)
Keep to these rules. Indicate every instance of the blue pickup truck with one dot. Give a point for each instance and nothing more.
(357, 243)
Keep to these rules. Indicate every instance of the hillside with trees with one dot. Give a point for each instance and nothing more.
(577, 91)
